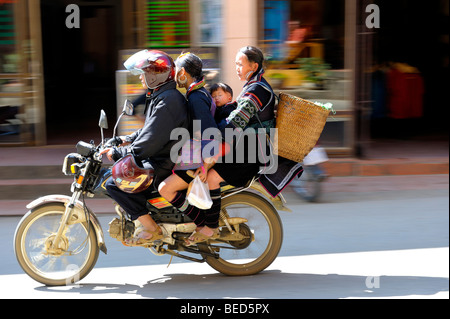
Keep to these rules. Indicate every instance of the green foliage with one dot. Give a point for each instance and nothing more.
(315, 69)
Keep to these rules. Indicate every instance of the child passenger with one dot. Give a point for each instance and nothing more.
(223, 97)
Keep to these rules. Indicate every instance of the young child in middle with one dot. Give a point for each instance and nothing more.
(223, 97)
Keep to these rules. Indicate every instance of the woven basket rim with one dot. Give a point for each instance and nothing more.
(294, 142)
(297, 98)
(304, 101)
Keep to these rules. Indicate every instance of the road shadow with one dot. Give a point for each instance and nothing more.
(272, 284)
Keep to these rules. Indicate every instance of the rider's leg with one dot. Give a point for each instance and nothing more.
(135, 206)
(214, 179)
(171, 186)
(150, 227)
(212, 215)
(172, 189)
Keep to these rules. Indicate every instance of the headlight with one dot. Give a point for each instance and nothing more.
(72, 164)
(85, 149)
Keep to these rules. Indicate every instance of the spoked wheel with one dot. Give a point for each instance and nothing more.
(260, 243)
(72, 259)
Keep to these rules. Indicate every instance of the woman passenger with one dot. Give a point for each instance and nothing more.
(255, 108)
(189, 75)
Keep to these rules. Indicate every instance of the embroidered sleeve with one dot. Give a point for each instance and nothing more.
(249, 104)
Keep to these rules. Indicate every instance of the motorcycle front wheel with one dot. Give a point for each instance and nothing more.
(75, 256)
(264, 231)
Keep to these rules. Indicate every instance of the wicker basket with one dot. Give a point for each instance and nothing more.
(300, 124)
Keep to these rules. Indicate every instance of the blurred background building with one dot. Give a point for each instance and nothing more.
(385, 81)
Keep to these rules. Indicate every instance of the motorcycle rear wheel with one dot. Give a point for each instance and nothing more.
(33, 237)
(264, 223)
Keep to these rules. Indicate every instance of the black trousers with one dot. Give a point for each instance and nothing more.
(133, 204)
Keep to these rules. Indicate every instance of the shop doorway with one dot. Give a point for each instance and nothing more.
(79, 68)
(411, 53)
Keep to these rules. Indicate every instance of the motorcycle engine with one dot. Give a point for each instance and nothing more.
(121, 229)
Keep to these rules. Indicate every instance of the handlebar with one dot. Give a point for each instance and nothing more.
(115, 141)
(89, 150)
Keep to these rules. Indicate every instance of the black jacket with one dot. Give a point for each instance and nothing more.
(201, 107)
(166, 110)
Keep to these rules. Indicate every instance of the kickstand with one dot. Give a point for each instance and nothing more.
(170, 261)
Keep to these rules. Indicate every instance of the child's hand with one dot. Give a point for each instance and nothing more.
(202, 173)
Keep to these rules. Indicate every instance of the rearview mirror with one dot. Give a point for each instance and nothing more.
(128, 108)
(103, 123)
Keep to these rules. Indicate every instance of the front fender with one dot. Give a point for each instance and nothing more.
(78, 208)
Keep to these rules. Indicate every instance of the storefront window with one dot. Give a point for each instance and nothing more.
(210, 26)
(167, 24)
(8, 56)
(20, 74)
(304, 41)
(10, 85)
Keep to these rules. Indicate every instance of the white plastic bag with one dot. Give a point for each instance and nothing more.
(199, 195)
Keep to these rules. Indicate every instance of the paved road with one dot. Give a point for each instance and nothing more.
(382, 242)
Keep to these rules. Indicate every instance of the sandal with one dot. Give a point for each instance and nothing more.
(197, 237)
(138, 240)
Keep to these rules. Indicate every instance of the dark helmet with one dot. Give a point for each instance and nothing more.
(157, 66)
(131, 178)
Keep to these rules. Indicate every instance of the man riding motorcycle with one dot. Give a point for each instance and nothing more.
(147, 151)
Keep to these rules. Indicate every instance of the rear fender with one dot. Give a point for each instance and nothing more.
(278, 202)
(78, 215)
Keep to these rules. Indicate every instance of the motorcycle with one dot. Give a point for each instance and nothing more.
(59, 239)
(309, 184)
